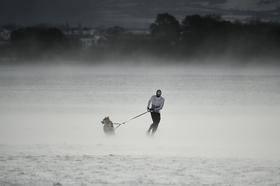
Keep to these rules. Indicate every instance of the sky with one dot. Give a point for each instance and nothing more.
(129, 13)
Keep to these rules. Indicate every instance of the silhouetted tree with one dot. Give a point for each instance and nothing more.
(165, 30)
(198, 30)
(34, 41)
(39, 36)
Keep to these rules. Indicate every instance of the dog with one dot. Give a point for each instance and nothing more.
(108, 126)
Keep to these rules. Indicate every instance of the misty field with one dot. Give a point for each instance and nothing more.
(72, 165)
(219, 126)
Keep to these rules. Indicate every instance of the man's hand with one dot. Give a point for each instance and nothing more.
(149, 110)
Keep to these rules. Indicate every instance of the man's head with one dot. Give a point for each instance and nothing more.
(158, 93)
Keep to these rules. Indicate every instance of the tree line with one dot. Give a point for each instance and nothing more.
(195, 36)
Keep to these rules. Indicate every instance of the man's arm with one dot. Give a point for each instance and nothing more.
(161, 104)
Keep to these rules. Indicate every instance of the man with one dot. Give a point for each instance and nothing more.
(155, 104)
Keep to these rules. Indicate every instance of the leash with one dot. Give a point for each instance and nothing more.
(119, 124)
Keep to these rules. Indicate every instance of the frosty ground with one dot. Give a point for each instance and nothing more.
(77, 165)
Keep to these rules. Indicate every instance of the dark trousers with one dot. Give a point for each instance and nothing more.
(156, 119)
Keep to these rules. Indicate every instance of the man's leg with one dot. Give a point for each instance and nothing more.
(151, 127)
(156, 119)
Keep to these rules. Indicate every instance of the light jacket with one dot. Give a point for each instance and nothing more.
(156, 102)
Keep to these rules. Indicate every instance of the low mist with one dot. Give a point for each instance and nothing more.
(209, 110)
